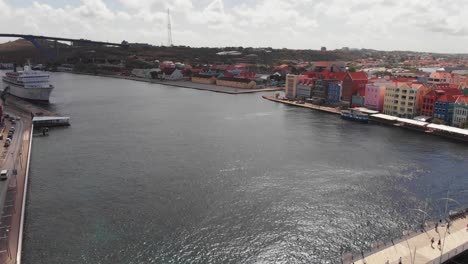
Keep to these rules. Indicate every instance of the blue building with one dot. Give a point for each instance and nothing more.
(334, 92)
(444, 107)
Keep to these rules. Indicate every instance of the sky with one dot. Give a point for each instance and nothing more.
(416, 25)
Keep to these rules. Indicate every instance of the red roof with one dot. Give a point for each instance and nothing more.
(323, 63)
(337, 75)
(311, 74)
(448, 98)
(358, 75)
(462, 99)
(444, 92)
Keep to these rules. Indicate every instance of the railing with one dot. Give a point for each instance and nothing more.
(451, 254)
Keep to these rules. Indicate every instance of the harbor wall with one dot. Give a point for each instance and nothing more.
(23, 206)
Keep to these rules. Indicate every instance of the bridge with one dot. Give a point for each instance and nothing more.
(51, 57)
(434, 244)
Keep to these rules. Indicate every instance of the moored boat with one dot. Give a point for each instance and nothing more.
(355, 115)
(28, 84)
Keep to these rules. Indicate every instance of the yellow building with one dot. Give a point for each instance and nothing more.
(403, 99)
(204, 79)
(242, 83)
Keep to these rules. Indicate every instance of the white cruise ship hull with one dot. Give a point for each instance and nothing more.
(35, 94)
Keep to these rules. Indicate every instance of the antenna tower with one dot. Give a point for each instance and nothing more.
(169, 29)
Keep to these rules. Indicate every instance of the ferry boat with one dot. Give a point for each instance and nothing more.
(355, 115)
(28, 84)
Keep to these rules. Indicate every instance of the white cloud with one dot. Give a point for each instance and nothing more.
(430, 25)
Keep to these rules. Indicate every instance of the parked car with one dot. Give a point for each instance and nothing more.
(7, 144)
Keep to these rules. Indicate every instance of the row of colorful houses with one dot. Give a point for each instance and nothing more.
(326, 85)
(443, 97)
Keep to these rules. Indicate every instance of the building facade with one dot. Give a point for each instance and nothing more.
(334, 91)
(354, 83)
(304, 88)
(401, 100)
(375, 93)
(291, 84)
(241, 83)
(431, 97)
(460, 111)
(320, 89)
(444, 107)
(204, 79)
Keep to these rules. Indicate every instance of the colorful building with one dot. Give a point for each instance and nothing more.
(444, 107)
(440, 76)
(334, 91)
(304, 88)
(460, 111)
(430, 99)
(357, 101)
(204, 79)
(401, 100)
(242, 83)
(375, 93)
(354, 83)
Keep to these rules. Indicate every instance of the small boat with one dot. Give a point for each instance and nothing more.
(355, 115)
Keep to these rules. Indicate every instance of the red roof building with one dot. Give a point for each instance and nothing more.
(431, 97)
(354, 83)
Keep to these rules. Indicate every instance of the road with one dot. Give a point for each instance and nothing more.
(13, 158)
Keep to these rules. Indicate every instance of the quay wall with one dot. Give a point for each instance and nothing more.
(23, 206)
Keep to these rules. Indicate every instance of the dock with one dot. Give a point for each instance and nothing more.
(427, 128)
(325, 109)
(417, 248)
(393, 121)
(50, 121)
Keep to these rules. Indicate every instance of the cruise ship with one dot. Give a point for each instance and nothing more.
(28, 84)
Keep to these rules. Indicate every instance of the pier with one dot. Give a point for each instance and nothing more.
(425, 127)
(50, 121)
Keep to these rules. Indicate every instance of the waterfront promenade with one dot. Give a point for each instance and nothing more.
(326, 109)
(15, 159)
(418, 249)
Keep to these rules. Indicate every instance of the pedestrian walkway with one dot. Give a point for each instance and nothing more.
(418, 249)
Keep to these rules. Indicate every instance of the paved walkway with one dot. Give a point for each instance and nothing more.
(418, 249)
(305, 105)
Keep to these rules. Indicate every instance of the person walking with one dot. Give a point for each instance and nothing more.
(432, 242)
(438, 244)
(399, 261)
(436, 225)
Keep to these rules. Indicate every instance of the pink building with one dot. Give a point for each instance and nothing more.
(375, 92)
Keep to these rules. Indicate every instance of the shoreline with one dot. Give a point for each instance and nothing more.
(14, 213)
(376, 119)
(189, 84)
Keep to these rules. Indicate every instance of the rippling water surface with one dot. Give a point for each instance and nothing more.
(156, 174)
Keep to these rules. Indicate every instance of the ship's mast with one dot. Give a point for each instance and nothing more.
(169, 29)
